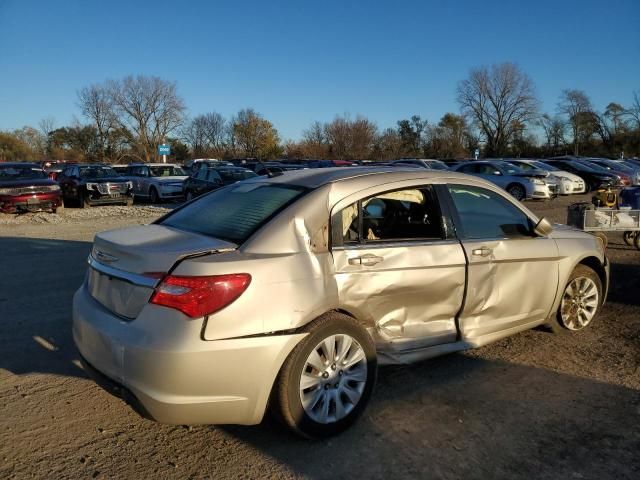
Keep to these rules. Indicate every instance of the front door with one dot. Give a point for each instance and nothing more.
(512, 274)
(398, 268)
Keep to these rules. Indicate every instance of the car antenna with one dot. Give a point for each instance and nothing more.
(270, 174)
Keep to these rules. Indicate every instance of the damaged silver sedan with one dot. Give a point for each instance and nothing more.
(288, 292)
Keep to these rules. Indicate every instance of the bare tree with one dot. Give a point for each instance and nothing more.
(96, 104)
(388, 145)
(634, 110)
(205, 134)
(314, 141)
(47, 125)
(496, 99)
(576, 105)
(338, 134)
(193, 133)
(554, 132)
(363, 136)
(149, 107)
(351, 139)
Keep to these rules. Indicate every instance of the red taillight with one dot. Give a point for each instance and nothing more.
(200, 296)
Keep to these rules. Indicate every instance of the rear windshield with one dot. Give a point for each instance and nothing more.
(235, 212)
(20, 172)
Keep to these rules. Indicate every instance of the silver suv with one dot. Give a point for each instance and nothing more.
(290, 291)
(156, 181)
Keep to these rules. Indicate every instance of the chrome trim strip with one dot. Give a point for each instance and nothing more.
(133, 278)
(396, 244)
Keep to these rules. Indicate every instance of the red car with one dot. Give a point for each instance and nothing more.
(25, 187)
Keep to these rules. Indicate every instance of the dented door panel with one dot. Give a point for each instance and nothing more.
(512, 282)
(411, 296)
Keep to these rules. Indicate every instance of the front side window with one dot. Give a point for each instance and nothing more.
(400, 215)
(485, 214)
(166, 171)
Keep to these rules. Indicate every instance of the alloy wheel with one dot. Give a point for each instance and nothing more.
(517, 192)
(333, 379)
(579, 303)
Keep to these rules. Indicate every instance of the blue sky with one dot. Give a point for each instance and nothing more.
(300, 61)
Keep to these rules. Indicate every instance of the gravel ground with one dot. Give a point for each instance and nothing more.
(535, 405)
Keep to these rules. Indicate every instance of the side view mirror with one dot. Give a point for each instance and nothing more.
(543, 228)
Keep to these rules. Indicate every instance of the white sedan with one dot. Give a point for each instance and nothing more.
(568, 183)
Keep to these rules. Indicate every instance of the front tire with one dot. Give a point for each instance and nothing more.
(327, 380)
(517, 191)
(581, 300)
(153, 195)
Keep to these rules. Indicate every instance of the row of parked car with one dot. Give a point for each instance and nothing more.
(30, 186)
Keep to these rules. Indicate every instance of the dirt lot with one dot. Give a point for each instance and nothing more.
(535, 405)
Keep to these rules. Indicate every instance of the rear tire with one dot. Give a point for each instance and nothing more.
(338, 390)
(636, 240)
(581, 301)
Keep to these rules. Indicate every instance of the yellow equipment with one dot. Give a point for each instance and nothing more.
(605, 198)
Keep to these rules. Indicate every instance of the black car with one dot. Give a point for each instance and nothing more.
(209, 178)
(93, 184)
(594, 179)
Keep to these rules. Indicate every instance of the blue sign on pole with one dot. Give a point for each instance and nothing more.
(164, 149)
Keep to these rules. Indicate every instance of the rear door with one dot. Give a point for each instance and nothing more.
(398, 266)
(512, 273)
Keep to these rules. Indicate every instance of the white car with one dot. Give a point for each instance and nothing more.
(568, 183)
(157, 181)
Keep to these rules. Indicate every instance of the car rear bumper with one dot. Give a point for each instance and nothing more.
(32, 202)
(175, 377)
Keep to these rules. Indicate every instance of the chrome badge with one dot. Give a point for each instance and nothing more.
(105, 257)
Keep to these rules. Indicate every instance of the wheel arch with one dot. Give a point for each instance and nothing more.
(596, 265)
(517, 184)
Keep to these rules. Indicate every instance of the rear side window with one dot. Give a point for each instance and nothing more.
(235, 212)
(485, 214)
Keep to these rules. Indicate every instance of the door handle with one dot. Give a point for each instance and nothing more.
(482, 251)
(366, 260)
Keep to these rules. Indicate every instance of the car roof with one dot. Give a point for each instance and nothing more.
(20, 164)
(154, 165)
(314, 178)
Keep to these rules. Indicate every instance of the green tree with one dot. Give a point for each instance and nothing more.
(255, 136)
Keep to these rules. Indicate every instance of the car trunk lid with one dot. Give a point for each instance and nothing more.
(126, 264)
